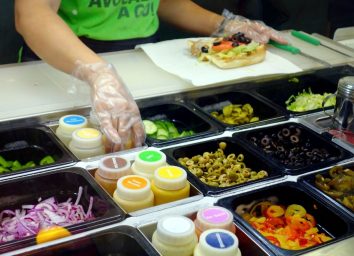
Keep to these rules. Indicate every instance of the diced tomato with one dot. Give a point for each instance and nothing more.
(224, 45)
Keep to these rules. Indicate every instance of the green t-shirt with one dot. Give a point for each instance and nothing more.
(111, 19)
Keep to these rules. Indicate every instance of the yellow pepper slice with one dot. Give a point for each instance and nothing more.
(295, 210)
(275, 211)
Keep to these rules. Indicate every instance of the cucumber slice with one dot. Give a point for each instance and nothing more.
(160, 124)
(161, 137)
(186, 133)
(174, 135)
(162, 132)
(171, 127)
(150, 127)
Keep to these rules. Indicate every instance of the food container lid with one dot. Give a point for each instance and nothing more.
(69, 123)
(133, 187)
(113, 167)
(86, 138)
(170, 177)
(214, 217)
(149, 160)
(218, 242)
(176, 230)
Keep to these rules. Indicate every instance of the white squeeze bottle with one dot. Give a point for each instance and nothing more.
(67, 125)
(133, 193)
(217, 242)
(213, 217)
(175, 236)
(86, 142)
(147, 161)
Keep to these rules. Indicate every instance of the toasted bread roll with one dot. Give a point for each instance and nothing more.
(228, 53)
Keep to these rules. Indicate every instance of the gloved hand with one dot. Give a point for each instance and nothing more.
(255, 30)
(114, 106)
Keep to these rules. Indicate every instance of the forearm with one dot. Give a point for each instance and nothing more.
(49, 37)
(187, 15)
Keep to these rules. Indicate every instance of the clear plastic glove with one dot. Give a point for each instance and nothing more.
(116, 110)
(255, 30)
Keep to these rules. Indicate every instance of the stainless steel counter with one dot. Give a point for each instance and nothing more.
(36, 88)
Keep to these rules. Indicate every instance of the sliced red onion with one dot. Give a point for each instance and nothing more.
(30, 219)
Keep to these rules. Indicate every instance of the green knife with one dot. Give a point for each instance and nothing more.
(314, 41)
(305, 37)
(295, 50)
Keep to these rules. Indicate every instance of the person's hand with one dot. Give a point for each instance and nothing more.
(114, 106)
(255, 30)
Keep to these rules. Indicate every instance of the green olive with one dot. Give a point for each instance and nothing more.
(219, 170)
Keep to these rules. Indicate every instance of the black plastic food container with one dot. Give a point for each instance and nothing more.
(250, 159)
(305, 152)
(216, 101)
(330, 221)
(121, 240)
(62, 184)
(32, 144)
(310, 182)
(279, 91)
(183, 117)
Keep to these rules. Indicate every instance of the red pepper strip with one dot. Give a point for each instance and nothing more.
(291, 233)
(275, 222)
(303, 242)
(273, 240)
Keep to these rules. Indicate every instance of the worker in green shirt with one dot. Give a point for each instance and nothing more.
(68, 34)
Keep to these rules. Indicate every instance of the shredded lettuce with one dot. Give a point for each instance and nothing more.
(306, 101)
(238, 50)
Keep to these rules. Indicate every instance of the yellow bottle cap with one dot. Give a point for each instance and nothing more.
(170, 177)
(133, 187)
(86, 138)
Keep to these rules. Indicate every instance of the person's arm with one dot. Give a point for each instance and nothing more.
(189, 16)
(49, 36)
(54, 42)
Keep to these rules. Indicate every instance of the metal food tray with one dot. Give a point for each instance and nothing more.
(144, 222)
